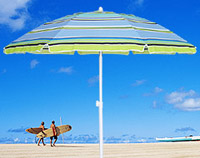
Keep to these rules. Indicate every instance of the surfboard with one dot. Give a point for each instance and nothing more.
(34, 130)
(49, 132)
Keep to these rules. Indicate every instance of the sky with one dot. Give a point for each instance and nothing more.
(145, 96)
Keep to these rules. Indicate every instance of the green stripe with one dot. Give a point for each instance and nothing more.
(79, 40)
(171, 50)
(164, 42)
(133, 20)
(63, 19)
(55, 22)
(138, 21)
(41, 42)
(100, 40)
(76, 28)
(32, 49)
(73, 17)
(109, 49)
(117, 47)
(98, 19)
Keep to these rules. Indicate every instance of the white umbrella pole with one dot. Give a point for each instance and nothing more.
(100, 105)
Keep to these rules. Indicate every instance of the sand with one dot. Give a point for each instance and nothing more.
(143, 150)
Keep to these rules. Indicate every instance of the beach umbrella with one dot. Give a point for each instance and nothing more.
(100, 32)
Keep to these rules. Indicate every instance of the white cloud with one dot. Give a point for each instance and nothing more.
(142, 140)
(67, 70)
(25, 140)
(191, 104)
(186, 101)
(154, 104)
(177, 97)
(138, 83)
(185, 129)
(3, 71)
(14, 13)
(135, 4)
(34, 63)
(93, 80)
(16, 140)
(139, 3)
(158, 90)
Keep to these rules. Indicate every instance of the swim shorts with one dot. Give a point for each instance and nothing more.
(55, 137)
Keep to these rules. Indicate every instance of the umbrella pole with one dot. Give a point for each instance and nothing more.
(100, 105)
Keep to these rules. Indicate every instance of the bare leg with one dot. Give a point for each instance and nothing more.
(51, 142)
(43, 142)
(39, 142)
(54, 142)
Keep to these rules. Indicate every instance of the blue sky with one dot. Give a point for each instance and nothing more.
(145, 96)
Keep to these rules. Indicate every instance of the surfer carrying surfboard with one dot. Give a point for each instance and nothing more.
(41, 126)
(53, 127)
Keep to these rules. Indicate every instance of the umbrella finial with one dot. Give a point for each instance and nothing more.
(100, 9)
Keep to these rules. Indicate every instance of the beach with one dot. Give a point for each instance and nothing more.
(137, 150)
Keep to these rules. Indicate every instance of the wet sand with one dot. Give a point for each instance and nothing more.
(143, 150)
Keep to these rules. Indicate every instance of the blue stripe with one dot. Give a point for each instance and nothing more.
(87, 38)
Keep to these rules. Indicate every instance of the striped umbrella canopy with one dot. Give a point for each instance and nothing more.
(109, 32)
(100, 33)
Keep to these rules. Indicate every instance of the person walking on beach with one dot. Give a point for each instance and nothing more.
(41, 126)
(53, 127)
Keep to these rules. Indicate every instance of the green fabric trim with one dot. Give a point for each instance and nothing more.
(81, 52)
(107, 47)
(30, 49)
(170, 50)
(94, 49)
